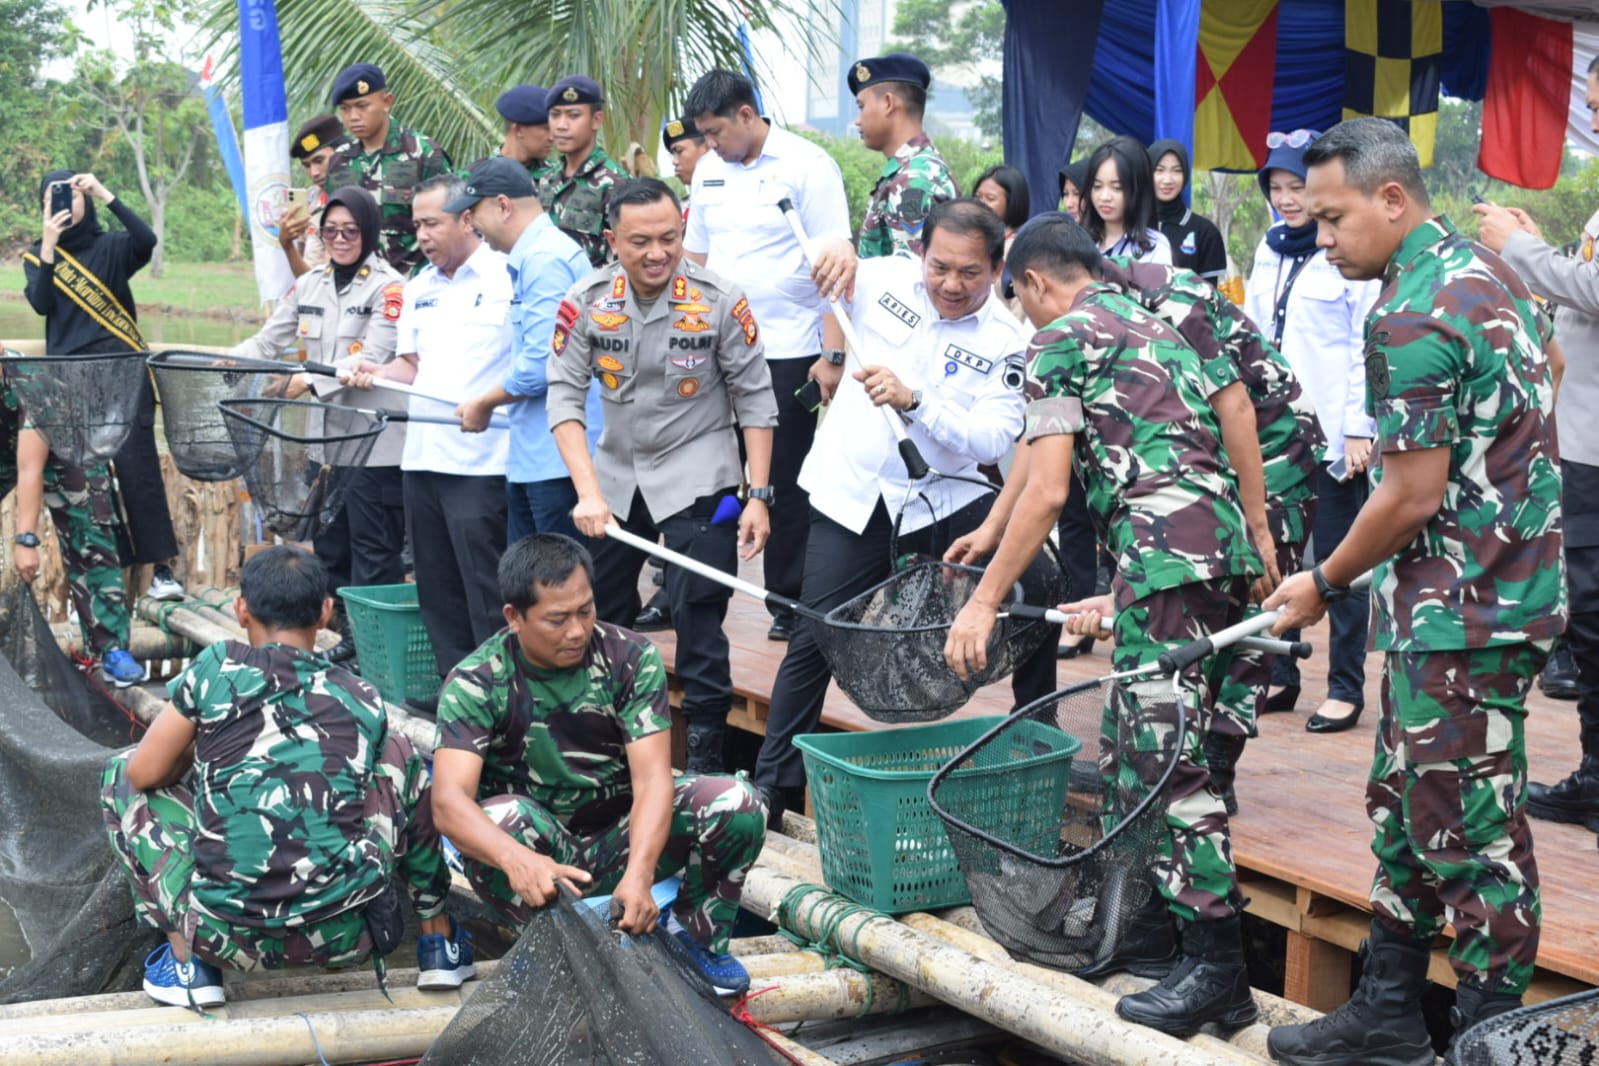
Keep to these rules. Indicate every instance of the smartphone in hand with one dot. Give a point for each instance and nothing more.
(809, 395)
(60, 197)
(1338, 469)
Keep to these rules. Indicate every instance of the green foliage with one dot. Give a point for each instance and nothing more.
(967, 160)
(971, 36)
(860, 165)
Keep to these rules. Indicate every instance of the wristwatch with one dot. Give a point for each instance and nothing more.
(766, 494)
(28, 540)
(916, 401)
(1329, 593)
(834, 356)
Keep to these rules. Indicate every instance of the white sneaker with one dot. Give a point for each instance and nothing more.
(163, 586)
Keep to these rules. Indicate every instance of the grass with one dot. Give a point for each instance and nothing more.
(220, 289)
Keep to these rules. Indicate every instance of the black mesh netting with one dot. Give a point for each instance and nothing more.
(1560, 1032)
(886, 646)
(575, 992)
(1058, 866)
(190, 384)
(297, 458)
(85, 405)
(57, 872)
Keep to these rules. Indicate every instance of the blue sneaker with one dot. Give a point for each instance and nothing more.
(724, 974)
(444, 964)
(121, 669)
(181, 984)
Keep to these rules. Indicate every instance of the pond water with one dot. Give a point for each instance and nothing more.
(18, 322)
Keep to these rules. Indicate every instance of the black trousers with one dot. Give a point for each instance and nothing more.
(1580, 507)
(699, 606)
(364, 542)
(145, 535)
(457, 527)
(784, 555)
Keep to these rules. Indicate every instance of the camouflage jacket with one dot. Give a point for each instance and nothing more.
(64, 486)
(557, 736)
(577, 204)
(1455, 359)
(284, 755)
(913, 180)
(1231, 349)
(1147, 445)
(406, 160)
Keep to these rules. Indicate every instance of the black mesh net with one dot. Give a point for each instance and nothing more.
(886, 646)
(575, 992)
(57, 872)
(1560, 1032)
(297, 458)
(85, 405)
(1058, 872)
(190, 385)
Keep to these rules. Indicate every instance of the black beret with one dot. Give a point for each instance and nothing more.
(357, 80)
(320, 132)
(679, 129)
(896, 66)
(524, 104)
(575, 89)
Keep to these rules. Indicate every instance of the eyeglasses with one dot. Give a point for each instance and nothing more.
(341, 233)
(1296, 139)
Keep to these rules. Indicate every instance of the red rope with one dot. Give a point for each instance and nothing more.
(742, 1013)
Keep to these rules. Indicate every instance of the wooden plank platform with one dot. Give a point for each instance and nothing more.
(1301, 838)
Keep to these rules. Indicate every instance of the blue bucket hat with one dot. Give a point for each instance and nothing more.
(1286, 151)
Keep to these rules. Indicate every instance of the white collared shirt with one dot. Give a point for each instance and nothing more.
(971, 373)
(737, 226)
(1159, 251)
(460, 329)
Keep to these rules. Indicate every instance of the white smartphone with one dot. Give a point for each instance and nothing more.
(1339, 469)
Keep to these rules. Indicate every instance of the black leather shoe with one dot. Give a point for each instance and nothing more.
(1072, 651)
(342, 653)
(1573, 799)
(1210, 984)
(782, 628)
(1559, 678)
(1318, 723)
(653, 619)
(1282, 701)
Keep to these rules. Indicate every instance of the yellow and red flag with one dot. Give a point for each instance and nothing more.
(1233, 90)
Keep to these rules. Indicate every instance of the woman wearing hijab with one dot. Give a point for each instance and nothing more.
(78, 279)
(1317, 319)
(345, 312)
(1196, 243)
(1119, 205)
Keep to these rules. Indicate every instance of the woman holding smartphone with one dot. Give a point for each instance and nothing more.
(1317, 319)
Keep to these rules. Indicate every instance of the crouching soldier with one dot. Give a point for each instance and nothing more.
(553, 767)
(263, 816)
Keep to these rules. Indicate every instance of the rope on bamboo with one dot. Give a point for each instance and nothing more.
(834, 912)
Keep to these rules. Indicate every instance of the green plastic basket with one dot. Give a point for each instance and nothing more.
(391, 641)
(882, 844)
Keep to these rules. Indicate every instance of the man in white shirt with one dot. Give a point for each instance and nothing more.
(737, 230)
(950, 360)
(455, 340)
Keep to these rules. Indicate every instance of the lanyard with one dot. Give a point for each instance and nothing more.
(1279, 314)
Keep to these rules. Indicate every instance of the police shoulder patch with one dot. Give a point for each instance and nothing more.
(393, 300)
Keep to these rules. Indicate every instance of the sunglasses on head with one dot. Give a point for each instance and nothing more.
(1296, 139)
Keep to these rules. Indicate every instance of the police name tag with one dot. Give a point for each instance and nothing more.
(955, 354)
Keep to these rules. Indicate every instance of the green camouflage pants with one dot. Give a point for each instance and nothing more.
(1195, 872)
(718, 828)
(1447, 793)
(85, 520)
(151, 833)
(1243, 689)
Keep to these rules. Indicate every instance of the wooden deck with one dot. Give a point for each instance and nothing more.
(1301, 839)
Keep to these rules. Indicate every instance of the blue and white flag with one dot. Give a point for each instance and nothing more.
(266, 142)
(227, 137)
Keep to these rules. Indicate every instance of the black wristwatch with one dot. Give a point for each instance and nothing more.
(28, 540)
(834, 356)
(766, 494)
(1329, 593)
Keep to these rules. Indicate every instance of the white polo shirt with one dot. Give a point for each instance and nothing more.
(737, 225)
(971, 371)
(460, 329)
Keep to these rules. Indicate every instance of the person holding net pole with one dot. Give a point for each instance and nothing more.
(1118, 390)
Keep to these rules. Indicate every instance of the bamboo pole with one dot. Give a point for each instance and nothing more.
(139, 703)
(829, 996)
(184, 622)
(145, 643)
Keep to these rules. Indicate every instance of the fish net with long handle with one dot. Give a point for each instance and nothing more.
(190, 384)
(84, 405)
(1559, 1032)
(298, 458)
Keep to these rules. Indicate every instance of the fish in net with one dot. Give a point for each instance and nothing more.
(1558, 1032)
(190, 385)
(298, 457)
(85, 405)
(574, 991)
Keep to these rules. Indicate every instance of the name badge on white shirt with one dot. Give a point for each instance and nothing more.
(956, 354)
(892, 319)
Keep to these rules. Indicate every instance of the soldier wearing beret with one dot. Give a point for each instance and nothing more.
(891, 92)
(575, 185)
(382, 157)
(527, 125)
(313, 146)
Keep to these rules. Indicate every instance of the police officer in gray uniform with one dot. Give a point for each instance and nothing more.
(681, 370)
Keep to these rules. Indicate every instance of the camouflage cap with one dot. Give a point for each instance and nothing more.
(358, 80)
(896, 66)
(575, 89)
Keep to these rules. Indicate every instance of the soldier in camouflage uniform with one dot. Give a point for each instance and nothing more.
(84, 513)
(277, 849)
(1289, 439)
(553, 767)
(1118, 388)
(384, 158)
(576, 183)
(1464, 530)
(891, 92)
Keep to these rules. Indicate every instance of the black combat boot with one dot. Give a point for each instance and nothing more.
(1222, 753)
(1146, 947)
(1576, 799)
(1381, 1025)
(1473, 1005)
(1210, 984)
(705, 740)
(777, 800)
(1558, 680)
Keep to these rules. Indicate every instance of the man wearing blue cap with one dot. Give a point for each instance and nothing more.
(574, 186)
(527, 125)
(384, 158)
(891, 92)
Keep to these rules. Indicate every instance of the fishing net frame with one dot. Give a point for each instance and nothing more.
(1557, 1032)
(196, 434)
(86, 406)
